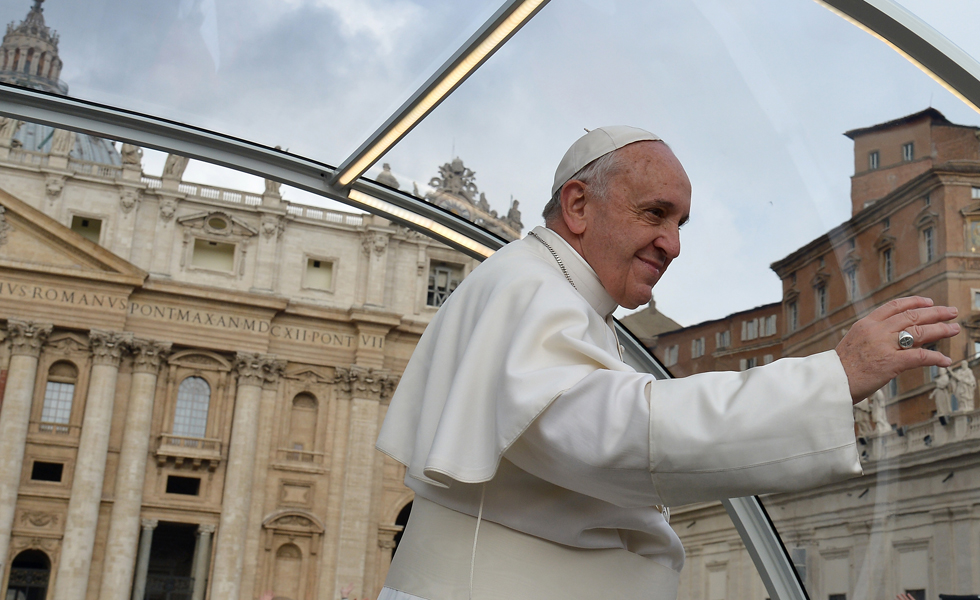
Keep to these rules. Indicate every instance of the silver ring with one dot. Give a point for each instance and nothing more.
(905, 340)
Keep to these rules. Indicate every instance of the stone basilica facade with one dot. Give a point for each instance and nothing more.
(192, 377)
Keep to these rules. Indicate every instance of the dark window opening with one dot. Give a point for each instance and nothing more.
(401, 519)
(188, 486)
(170, 574)
(916, 594)
(46, 471)
(29, 574)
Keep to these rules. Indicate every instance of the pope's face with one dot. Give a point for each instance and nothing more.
(633, 233)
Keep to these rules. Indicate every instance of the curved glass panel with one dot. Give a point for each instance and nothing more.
(952, 19)
(796, 229)
(752, 98)
(316, 77)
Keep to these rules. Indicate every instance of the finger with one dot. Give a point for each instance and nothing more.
(899, 305)
(927, 334)
(921, 316)
(920, 357)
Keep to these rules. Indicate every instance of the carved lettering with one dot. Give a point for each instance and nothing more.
(61, 296)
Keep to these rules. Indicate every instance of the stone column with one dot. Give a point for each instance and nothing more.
(202, 556)
(124, 524)
(71, 582)
(267, 252)
(143, 558)
(367, 388)
(26, 339)
(254, 371)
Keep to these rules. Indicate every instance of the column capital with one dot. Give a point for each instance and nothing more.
(367, 383)
(258, 369)
(207, 528)
(150, 524)
(27, 337)
(107, 346)
(148, 354)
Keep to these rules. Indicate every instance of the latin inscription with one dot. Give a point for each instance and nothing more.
(51, 295)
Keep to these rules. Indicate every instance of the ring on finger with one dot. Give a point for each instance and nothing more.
(905, 340)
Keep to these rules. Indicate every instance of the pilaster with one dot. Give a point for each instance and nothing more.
(26, 339)
(71, 582)
(366, 389)
(124, 522)
(254, 372)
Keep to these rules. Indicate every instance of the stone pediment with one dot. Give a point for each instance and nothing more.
(32, 241)
(218, 223)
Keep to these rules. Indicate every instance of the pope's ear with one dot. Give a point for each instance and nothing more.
(573, 201)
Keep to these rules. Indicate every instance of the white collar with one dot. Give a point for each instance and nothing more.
(586, 281)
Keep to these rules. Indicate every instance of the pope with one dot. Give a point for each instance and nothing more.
(542, 464)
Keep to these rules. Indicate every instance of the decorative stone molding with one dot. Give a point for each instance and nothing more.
(148, 355)
(386, 535)
(168, 207)
(5, 227)
(258, 369)
(376, 241)
(107, 346)
(38, 518)
(272, 226)
(128, 199)
(53, 184)
(207, 528)
(27, 337)
(370, 384)
(150, 524)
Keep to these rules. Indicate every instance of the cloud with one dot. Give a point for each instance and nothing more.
(386, 23)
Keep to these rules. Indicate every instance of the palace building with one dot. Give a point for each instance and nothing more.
(193, 377)
(914, 229)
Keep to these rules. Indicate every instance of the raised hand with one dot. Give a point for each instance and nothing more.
(871, 354)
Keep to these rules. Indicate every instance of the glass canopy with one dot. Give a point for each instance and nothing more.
(753, 97)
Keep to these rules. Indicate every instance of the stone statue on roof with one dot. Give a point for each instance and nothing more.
(862, 418)
(174, 167)
(964, 386)
(942, 393)
(879, 413)
(455, 178)
(132, 155)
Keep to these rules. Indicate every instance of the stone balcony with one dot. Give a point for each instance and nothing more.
(936, 433)
(192, 451)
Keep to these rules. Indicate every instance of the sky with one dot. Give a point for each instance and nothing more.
(753, 97)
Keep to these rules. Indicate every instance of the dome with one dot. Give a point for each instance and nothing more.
(29, 54)
(37, 138)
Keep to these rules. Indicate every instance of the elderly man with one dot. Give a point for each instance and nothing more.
(542, 463)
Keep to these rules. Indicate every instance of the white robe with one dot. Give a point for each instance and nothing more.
(518, 385)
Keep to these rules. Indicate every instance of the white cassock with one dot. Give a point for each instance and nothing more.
(538, 456)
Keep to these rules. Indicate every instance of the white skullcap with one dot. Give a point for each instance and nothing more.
(595, 144)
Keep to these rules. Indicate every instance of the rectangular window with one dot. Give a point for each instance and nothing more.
(767, 359)
(443, 279)
(87, 227)
(723, 339)
(928, 244)
(697, 347)
(872, 160)
(976, 193)
(792, 315)
(821, 300)
(670, 355)
(908, 151)
(850, 276)
(932, 371)
(893, 388)
(186, 486)
(744, 364)
(976, 349)
(215, 256)
(886, 223)
(46, 471)
(837, 597)
(319, 275)
(771, 325)
(56, 410)
(750, 329)
(887, 270)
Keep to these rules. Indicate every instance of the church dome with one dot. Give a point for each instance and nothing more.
(29, 54)
(29, 58)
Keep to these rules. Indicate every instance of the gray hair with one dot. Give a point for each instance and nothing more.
(596, 175)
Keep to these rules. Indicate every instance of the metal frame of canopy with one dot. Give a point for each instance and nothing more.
(902, 30)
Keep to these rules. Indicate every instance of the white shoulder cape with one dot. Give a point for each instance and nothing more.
(509, 340)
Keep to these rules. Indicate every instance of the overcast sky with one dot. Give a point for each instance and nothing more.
(753, 96)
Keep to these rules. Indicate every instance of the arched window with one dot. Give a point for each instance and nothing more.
(27, 63)
(58, 395)
(40, 66)
(29, 573)
(193, 400)
(401, 520)
(302, 427)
